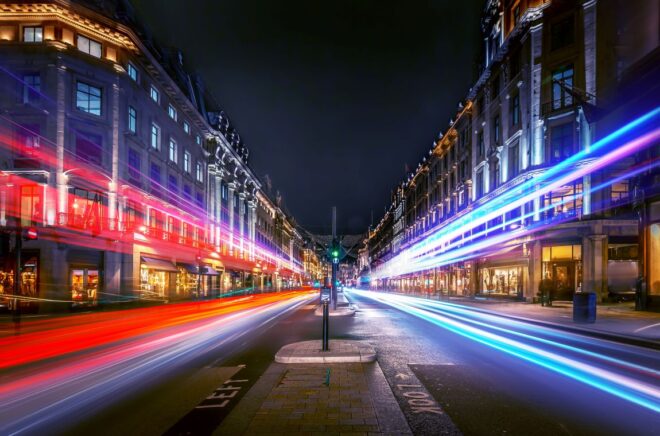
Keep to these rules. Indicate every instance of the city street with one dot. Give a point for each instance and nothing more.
(458, 361)
(374, 217)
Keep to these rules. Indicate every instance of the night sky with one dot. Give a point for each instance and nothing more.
(333, 98)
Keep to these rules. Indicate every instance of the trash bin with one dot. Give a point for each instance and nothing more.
(584, 307)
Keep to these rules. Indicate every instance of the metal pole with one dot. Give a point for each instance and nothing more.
(325, 324)
(333, 289)
(17, 280)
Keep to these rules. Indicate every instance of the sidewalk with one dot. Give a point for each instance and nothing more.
(617, 320)
(336, 398)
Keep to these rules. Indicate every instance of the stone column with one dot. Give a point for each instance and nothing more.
(61, 178)
(232, 187)
(252, 226)
(112, 186)
(535, 94)
(112, 258)
(594, 265)
(241, 219)
(535, 270)
(218, 211)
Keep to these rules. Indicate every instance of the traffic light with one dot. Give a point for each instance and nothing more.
(30, 234)
(334, 251)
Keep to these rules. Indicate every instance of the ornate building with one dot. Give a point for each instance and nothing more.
(538, 104)
(134, 181)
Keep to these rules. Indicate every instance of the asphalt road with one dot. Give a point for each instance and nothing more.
(489, 390)
(446, 382)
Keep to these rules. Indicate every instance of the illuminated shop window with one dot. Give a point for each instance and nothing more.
(84, 286)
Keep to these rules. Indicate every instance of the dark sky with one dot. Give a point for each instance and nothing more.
(332, 97)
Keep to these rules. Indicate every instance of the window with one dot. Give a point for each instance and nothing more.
(481, 149)
(154, 175)
(198, 140)
(619, 191)
(172, 184)
(186, 127)
(132, 215)
(562, 33)
(515, 110)
(155, 95)
(31, 205)
(88, 98)
(33, 34)
(31, 88)
(199, 200)
(171, 111)
(85, 209)
(132, 72)
(514, 161)
(155, 136)
(29, 140)
(479, 188)
(560, 95)
(561, 142)
(495, 87)
(173, 151)
(187, 162)
(496, 129)
(89, 148)
(199, 172)
(88, 46)
(224, 189)
(132, 119)
(187, 192)
(494, 175)
(133, 164)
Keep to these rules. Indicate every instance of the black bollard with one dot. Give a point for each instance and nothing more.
(326, 315)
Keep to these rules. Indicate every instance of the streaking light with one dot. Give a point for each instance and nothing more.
(459, 321)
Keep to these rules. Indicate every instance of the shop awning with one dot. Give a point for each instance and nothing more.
(158, 264)
(237, 264)
(192, 269)
(208, 271)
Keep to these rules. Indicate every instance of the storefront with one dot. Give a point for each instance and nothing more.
(622, 268)
(563, 265)
(155, 277)
(29, 280)
(502, 280)
(187, 280)
(209, 281)
(84, 283)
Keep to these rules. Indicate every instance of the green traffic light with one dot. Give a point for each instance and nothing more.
(335, 253)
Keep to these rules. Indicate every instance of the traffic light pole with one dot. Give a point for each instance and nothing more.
(17, 280)
(335, 260)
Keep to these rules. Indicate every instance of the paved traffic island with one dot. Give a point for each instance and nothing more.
(340, 351)
(333, 399)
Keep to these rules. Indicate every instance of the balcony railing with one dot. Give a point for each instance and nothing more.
(557, 105)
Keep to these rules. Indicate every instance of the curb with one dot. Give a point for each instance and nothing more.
(341, 311)
(629, 340)
(614, 337)
(341, 351)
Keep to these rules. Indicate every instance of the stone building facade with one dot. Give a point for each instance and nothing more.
(136, 184)
(538, 104)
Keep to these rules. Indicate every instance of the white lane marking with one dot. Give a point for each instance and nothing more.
(647, 327)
